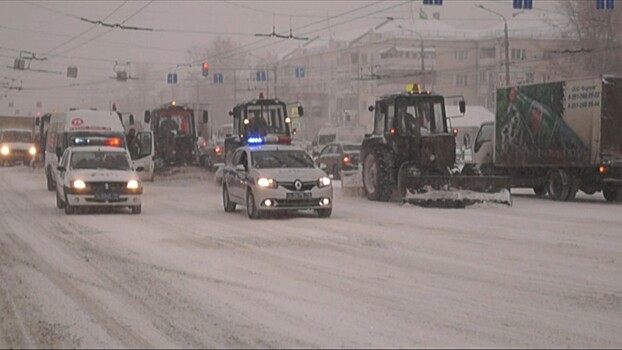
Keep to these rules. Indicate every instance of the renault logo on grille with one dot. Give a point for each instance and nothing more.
(298, 185)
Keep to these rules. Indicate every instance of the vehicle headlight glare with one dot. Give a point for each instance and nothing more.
(132, 184)
(32, 151)
(323, 181)
(79, 184)
(5, 150)
(265, 182)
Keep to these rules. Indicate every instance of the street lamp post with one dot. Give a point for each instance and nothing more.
(507, 43)
(422, 50)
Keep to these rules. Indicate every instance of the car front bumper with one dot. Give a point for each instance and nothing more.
(279, 199)
(123, 200)
(17, 155)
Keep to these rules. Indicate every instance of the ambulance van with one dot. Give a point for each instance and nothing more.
(89, 127)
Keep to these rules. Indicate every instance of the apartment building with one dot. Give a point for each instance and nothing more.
(337, 78)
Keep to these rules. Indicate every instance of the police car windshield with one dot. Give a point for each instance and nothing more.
(100, 160)
(281, 159)
(16, 136)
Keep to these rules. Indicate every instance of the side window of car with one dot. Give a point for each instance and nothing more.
(65, 159)
(240, 158)
(325, 150)
(235, 160)
(244, 160)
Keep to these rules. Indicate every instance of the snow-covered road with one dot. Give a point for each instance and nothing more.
(184, 273)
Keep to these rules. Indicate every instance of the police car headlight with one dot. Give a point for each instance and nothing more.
(323, 182)
(265, 182)
(78, 184)
(32, 150)
(5, 150)
(132, 185)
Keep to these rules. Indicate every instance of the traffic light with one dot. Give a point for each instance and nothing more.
(205, 68)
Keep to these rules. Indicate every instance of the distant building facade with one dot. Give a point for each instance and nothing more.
(337, 79)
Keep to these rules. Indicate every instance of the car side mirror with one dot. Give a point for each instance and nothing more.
(140, 168)
(301, 111)
(131, 119)
(240, 167)
(462, 106)
(147, 116)
(370, 108)
(37, 121)
(59, 152)
(205, 117)
(231, 113)
(61, 168)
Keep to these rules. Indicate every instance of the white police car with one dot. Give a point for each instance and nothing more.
(97, 176)
(271, 175)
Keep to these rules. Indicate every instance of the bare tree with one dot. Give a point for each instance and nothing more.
(599, 36)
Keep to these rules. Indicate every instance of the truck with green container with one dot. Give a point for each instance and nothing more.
(555, 137)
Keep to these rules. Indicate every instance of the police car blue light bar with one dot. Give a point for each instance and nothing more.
(254, 140)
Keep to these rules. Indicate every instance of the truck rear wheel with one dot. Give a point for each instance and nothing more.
(539, 190)
(558, 185)
(612, 193)
(378, 176)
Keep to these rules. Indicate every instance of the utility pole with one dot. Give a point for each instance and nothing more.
(422, 59)
(235, 89)
(507, 43)
(507, 54)
(275, 68)
(422, 47)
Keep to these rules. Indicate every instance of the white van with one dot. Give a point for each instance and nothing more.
(88, 127)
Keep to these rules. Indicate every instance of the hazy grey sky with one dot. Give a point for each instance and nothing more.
(60, 31)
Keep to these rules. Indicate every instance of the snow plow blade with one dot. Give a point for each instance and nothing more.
(455, 191)
(352, 178)
(352, 181)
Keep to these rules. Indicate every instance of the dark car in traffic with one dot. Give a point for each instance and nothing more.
(338, 156)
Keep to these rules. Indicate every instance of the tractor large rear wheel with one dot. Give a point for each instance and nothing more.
(378, 177)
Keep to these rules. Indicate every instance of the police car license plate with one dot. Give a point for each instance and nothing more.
(107, 196)
(298, 195)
